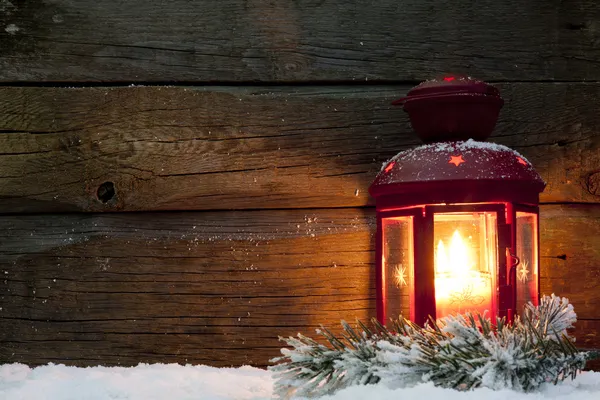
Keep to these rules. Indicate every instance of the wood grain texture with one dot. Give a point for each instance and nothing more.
(570, 253)
(212, 288)
(589, 337)
(219, 287)
(303, 40)
(167, 148)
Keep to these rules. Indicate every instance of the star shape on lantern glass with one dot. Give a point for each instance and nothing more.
(523, 272)
(400, 276)
(456, 160)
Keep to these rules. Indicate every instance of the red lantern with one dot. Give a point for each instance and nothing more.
(457, 218)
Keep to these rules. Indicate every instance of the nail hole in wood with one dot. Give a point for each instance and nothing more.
(106, 192)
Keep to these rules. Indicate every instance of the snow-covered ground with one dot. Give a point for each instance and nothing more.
(175, 382)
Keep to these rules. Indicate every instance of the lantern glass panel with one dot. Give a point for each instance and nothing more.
(398, 265)
(465, 262)
(527, 270)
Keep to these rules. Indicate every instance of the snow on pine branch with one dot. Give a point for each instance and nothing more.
(457, 351)
(558, 316)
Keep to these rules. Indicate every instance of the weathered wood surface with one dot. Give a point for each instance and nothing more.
(570, 255)
(304, 40)
(588, 336)
(219, 287)
(251, 148)
(212, 288)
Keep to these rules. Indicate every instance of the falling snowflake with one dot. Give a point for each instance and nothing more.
(523, 273)
(400, 276)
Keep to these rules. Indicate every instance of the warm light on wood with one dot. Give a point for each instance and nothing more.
(459, 285)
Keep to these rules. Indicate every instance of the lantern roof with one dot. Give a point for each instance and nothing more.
(452, 116)
(449, 162)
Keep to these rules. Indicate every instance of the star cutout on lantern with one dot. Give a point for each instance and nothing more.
(456, 160)
(523, 272)
(389, 167)
(400, 276)
(521, 161)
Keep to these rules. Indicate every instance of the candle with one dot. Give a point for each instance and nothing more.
(459, 285)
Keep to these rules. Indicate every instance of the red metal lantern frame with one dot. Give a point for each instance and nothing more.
(454, 175)
(424, 298)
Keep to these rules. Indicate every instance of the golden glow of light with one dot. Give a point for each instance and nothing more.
(457, 281)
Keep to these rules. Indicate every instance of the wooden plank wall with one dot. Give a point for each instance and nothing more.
(186, 182)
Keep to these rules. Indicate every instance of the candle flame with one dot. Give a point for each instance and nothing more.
(456, 278)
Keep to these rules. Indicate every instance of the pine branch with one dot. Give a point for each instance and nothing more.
(458, 351)
(312, 367)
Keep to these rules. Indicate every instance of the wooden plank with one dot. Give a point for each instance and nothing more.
(214, 288)
(219, 287)
(570, 254)
(308, 40)
(245, 345)
(165, 148)
(589, 336)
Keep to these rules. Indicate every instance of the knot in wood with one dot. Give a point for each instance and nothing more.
(593, 183)
(106, 192)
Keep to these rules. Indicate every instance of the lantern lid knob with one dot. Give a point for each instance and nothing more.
(452, 107)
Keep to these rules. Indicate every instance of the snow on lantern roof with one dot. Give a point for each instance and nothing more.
(463, 170)
(453, 163)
